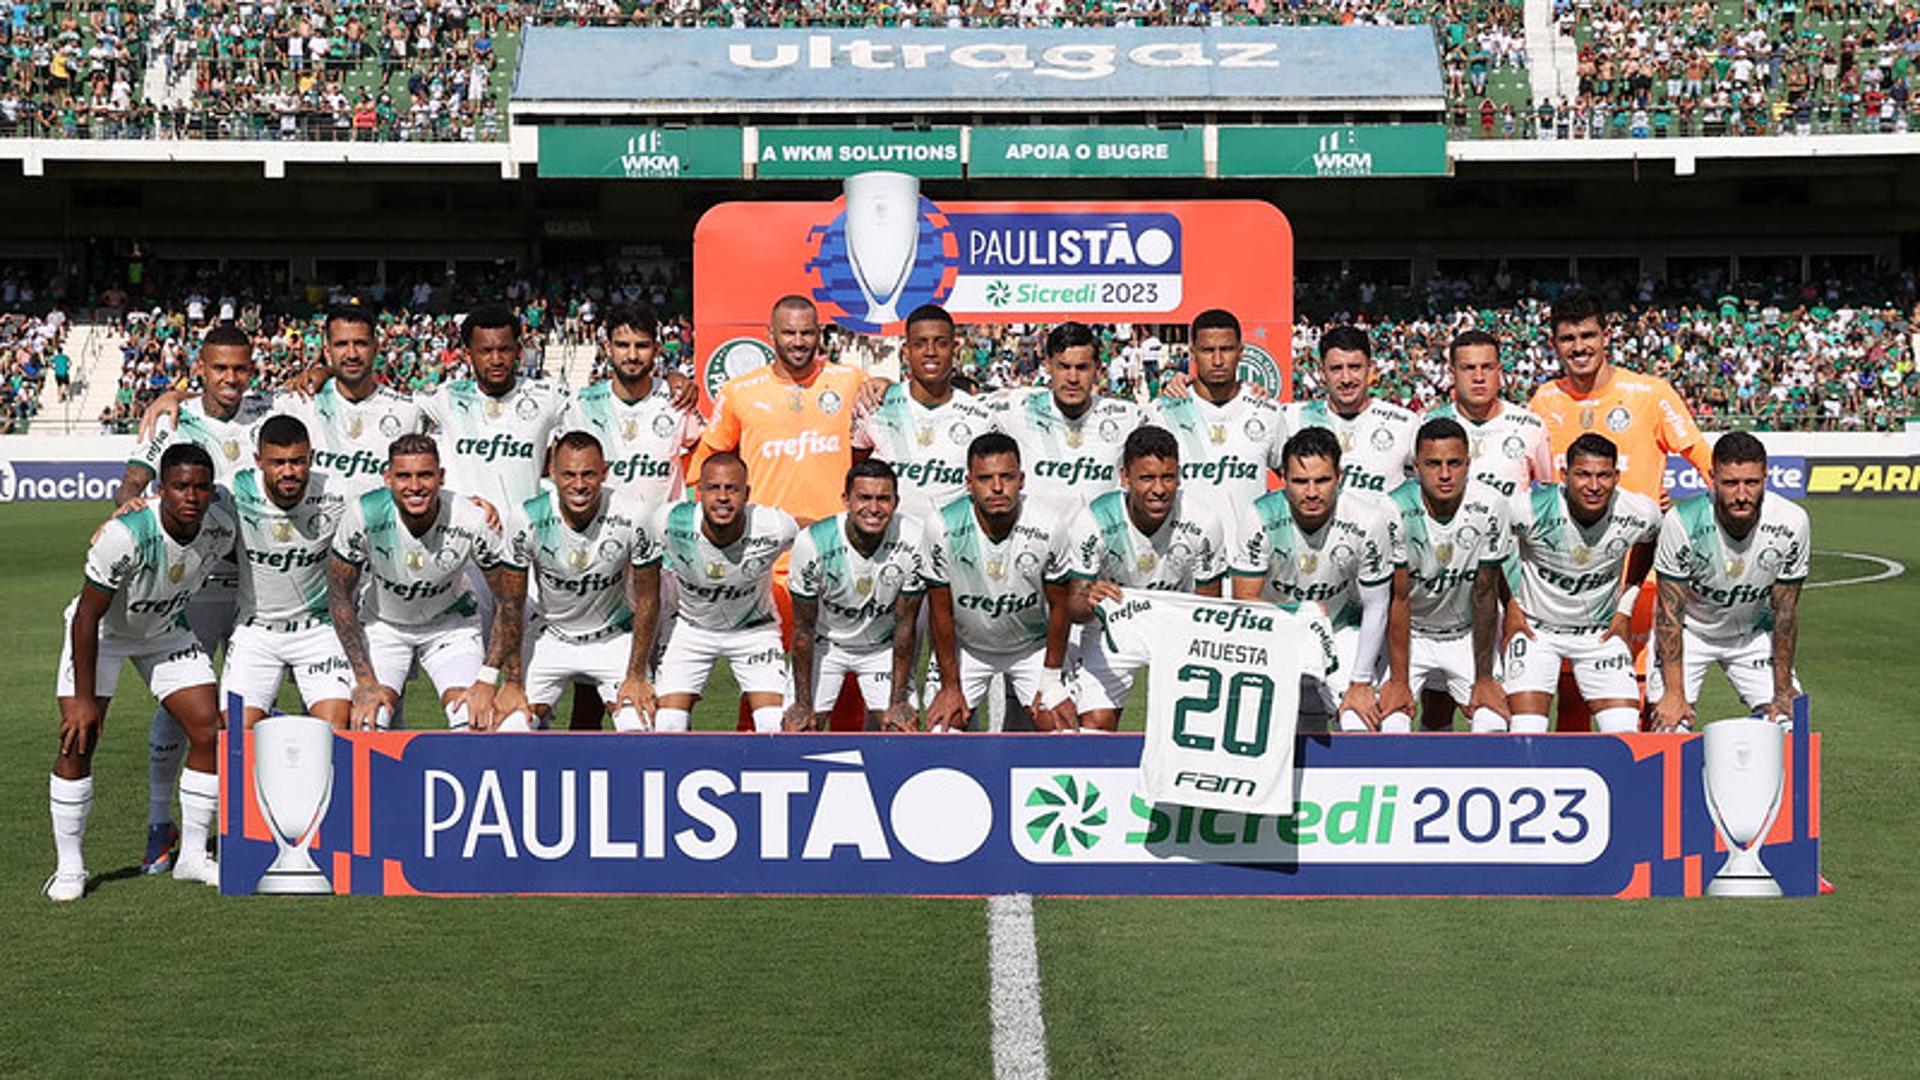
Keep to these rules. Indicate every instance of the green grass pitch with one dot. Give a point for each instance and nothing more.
(153, 976)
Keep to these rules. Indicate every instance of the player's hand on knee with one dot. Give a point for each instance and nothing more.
(79, 727)
(1395, 696)
(900, 718)
(479, 701)
(636, 693)
(1361, 701)
(798, 717)
(1672, 713)
(509, 699)
(363, 706)
(948, 711)
(1488, 694)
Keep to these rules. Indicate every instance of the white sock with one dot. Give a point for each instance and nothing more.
(1350, 721)
(71, 802)
(671, 720)
(199, 805)
(627, 718)
(767, 718)
(166, 748)
(457, 717)
(1486, 721)
(1529, 723)
(1397, 723)
(516, 720)
(1618, 721)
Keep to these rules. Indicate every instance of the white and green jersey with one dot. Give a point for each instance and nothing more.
(1509, 450)
(1225, 449)
(728, 588)
(151, 575)
(1730, 583)
(856, 592)
(1067, 460)
(1376, 443)
(418, 579)
(926, 445)
(1353, 548)
(998, 587)
(645, 440)
(229, 442)
(495, 447)
(283, 552)
(350, 438)
(1442, 558)
(582, 574)
(1187, 550)
(1568, 577)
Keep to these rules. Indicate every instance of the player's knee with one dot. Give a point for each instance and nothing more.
(1618, 720)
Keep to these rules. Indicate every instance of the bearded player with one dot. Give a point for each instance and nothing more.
(1731, 564)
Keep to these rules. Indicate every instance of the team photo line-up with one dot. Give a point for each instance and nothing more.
(510, 539)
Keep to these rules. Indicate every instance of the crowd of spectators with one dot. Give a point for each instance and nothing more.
(31, 355)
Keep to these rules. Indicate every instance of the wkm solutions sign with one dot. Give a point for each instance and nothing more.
(1343, 151)
(640, 153)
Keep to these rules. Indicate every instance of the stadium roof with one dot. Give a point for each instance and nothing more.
(630, 71)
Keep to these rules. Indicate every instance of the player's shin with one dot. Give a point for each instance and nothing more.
(1529, 723)
(166, 747)
(71, 803)
(199, 804)
(1618, 720)
(671, 720)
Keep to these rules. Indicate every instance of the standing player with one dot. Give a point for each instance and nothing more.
(141, 570)
(1150, 534)
(1376, 437)
(416, 543)
(996, 575)
(578, 539)
(633, 413)
(923, 426)
(851, 573)
(1506, 443)
(287, 511)
(720, 549)
(1315, 540)
(1568, 603)
(1453, 535)
(221, 421)
(1069, 436)
(1229, 440)
(352, 418)
(495, 426)
(1731, 564)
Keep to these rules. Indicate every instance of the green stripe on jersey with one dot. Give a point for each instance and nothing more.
(683, 534)
(1110, 517)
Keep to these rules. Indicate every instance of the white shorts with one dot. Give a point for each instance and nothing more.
(258, 659)
(1022, 667)
(554, 663)
(755, 654)
(168, 664)
(1602, 666)
(449, 651)
(1104, 679)
(1748, 662)
(1442, 664)
(872, 667)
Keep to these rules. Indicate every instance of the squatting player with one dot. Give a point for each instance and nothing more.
(1731, 564)
(996, 575)
(1314, 540)
(1376, 437)
(1450, 544)
(416, 543)
(923, 426)
(1150, 534)
(1070, 437)
(720, 549)
(141, 571)
(1575, 542)
(853, 575)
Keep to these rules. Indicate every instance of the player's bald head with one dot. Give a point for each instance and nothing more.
(793, 303)
(724, 464)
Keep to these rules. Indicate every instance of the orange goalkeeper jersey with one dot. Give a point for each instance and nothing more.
(1642, 414)
(796, 437)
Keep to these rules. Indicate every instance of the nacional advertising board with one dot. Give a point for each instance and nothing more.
(443, 813)
(869, 258)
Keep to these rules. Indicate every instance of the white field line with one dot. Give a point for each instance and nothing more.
(1888, 569)
(1013, 990)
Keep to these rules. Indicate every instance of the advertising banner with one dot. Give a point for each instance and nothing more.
(836, 153)
(1786, 475)
(445, 813)
(1342, 151)
(640, 153)
(40, 468)
(1087, 151)
(1863, 476)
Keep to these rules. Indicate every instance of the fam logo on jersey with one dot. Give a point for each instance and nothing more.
(850, 277)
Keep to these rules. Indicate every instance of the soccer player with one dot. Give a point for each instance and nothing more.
(1573, 541)
(578, 538)
(720, 549)
(1376, 437)
(1453, 536)
(287, 512)
(1316, 540)
(634, 415)
(996, 575)
(1150, 534)
(1229, 440)
(923, 426)
(416, 543)
(1506, 443)
(1731, 564)
(495, 426)
(141, 571)
(222, 421)
(854, 575)
(1069, 436)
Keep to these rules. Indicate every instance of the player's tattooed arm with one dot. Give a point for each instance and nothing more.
(1671, 712)
(643, 596)
(906, 651)
(1487, 604)
(486, 706)
(948, 709)
(806, 617)
(343, 588)
(1786, 638)
(132, 482)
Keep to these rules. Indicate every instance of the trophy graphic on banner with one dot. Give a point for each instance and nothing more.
(293, 779)
(1745, 774)
(883, 233)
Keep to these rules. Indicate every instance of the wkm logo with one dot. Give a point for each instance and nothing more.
(1340, 155)
(647, 157)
